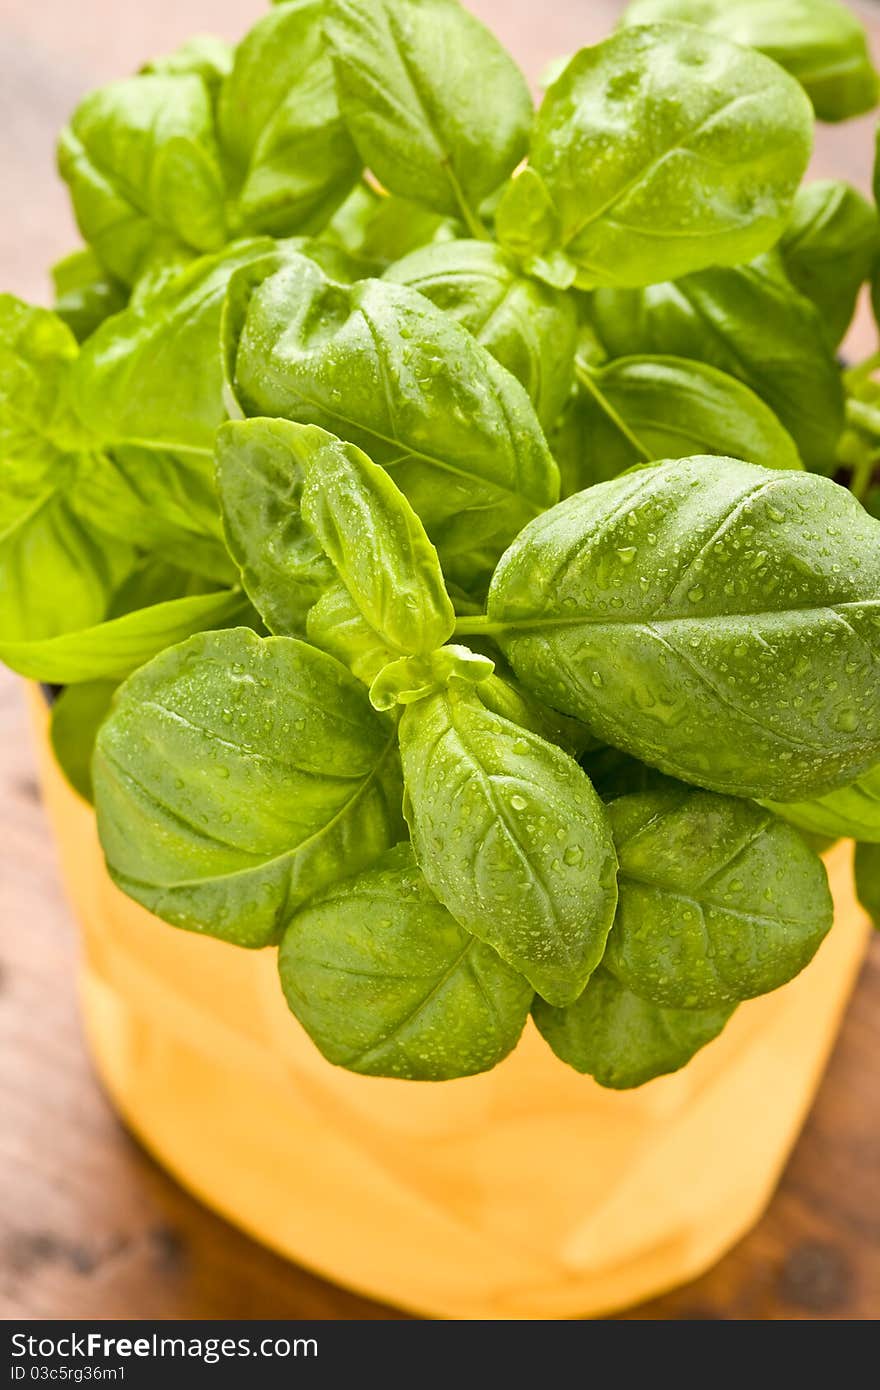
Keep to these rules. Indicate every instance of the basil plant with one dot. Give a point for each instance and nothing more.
(446, 526)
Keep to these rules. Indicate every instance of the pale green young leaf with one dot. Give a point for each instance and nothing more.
(375, 541)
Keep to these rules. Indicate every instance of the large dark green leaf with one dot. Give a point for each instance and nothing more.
(386, 982)
(238, 775)
(750, 322)
(656, 153)
(510, 836)
(621, 1040)
(715, 619)
(381, 367)
(719, 901)
(439, 111)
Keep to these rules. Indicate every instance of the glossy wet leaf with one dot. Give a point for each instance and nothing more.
(260, 480)
(384, 369)
(237, 776)
(510, 836)
(717, 620)
(658, 152)
(623, 1041)
(438, 109)
(641, 409)
(718, 900)
(820, 42)
(375, 541)
(851, 812)
(748, 321)
(387, 983)
(528, 327)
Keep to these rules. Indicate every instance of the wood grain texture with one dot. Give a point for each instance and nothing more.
(89, 1225)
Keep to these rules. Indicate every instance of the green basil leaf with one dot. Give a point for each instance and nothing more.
(851, 812)
(289, 158)
(46, 550)
(260, 479)
(659, 152)
(642, 409)
(84, 294)
(868, 880)
(238, 775)
(510, 836)
(336, 625)
(381, 367)
(140, 158)
(528, 327)
(167, 504)
(77, 714)
(749, 322)
(203, 56)
(820, 42)
(153, 376)
(715, 619)
(623, 1041)
(718, 900)
(113, 648)
(386, 983)
(376, 542)
(438, 109)
(829, 248)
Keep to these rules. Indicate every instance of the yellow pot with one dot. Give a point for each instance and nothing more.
(529, 1192)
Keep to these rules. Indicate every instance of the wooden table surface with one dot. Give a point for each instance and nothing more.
(90, 1226)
